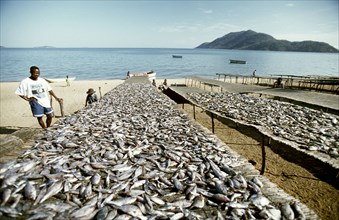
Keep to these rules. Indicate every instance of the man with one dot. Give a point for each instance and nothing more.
(91, 97)
(35, 90)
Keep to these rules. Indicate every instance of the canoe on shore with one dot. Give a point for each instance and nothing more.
(237, 61)
(150, 74)
(54, 80)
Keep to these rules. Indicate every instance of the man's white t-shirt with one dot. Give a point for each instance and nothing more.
(38, 89)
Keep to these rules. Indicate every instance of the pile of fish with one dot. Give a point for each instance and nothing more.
(132, 155)
(313, 130)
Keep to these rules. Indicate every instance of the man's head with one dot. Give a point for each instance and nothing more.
(35, 72)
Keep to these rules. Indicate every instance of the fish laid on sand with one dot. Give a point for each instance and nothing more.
(132, 155)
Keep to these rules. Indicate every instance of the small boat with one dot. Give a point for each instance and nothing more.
(238, 61)
(54, 80)
(176, 56)
(150, 74)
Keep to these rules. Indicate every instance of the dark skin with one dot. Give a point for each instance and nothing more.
(34, 76)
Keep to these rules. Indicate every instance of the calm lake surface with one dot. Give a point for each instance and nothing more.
(113, 63)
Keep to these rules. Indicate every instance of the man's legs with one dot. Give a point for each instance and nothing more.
(49, 119)
(38, 112)
(41, 122)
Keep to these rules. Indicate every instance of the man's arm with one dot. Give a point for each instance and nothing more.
(53, 94)
(27, 99)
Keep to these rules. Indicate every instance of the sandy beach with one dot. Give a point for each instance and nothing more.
(15, 112)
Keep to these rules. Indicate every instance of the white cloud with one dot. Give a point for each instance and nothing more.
(290, 5)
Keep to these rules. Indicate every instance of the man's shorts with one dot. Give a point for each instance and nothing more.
(38, 110)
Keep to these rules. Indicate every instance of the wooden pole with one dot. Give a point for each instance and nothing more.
(263, 156)
(212, 122)
(100, 91)
(61, 103)
(193, 111)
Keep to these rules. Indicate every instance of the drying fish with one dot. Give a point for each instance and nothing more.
(122, 201)
(133, 211)
(199, 202)
(133, 155)
(287, 211)
(292, 122)
(30, 191)
(86, 212)
(55, 188)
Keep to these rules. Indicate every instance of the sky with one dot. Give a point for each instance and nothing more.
(161, 24)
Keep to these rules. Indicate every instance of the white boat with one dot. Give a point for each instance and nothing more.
(150, 74)
(54, 80)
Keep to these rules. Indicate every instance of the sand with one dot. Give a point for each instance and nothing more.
(15, 112)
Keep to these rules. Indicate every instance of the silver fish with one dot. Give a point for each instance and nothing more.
(121, 167)
(270, 213)
(138, 184)
(122, 201)
(111, 214)
(220, 187)
(42, 215)
(216, 170)
(177, 184)
(135, 192)
(102, 213)
(257, 181)
(30, 191)
(148, 203)
(27, 166)
(133, 211)
(297, 211)
(220, 197)
(157, 200)
(96, 179)
(9, 180)
(6, 194)
(88, 191)
(177, 216)
(6, 166)
(84, 213)
(40, 195)
(199, 202)
(12, 212)
(286, 211)
(55, 188)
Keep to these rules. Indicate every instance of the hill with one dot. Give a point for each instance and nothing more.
(251, 40)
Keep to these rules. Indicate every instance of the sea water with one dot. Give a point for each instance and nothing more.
(113, 63)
